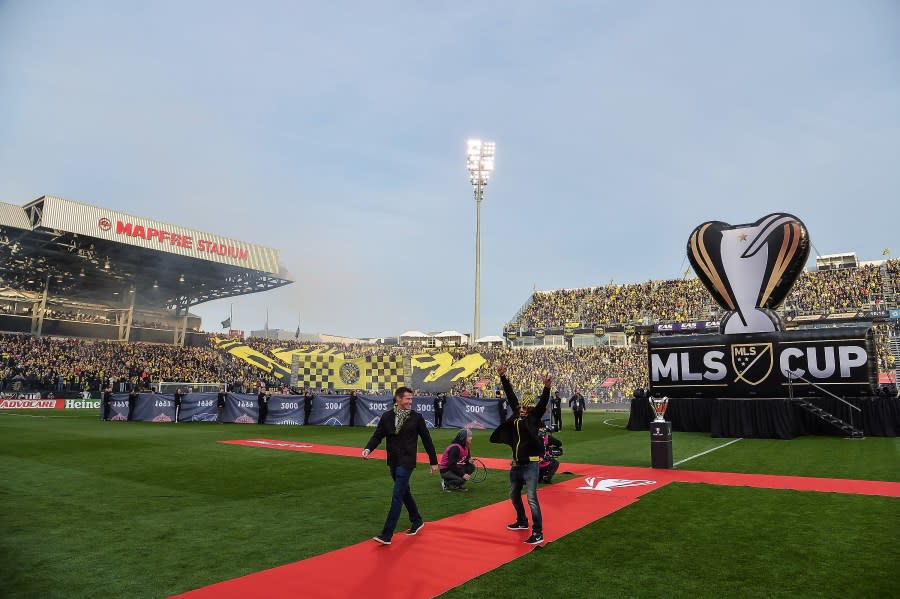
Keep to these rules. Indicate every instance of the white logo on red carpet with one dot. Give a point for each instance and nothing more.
(280, 444)
(595, 483)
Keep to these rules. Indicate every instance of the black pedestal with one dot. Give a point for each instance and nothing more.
(661, 445)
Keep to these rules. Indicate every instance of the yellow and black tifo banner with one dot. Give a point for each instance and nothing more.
(329, 369)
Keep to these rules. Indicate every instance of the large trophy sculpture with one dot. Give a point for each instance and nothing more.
(749, 269)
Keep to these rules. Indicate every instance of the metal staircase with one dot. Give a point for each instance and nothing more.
(846, 427)
(888, 296)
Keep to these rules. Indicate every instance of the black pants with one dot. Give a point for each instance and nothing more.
(352, 415)
(263, 412)
(106, 407)
(578, 415)
(439, 418)
(220, 409)
(557, 418)
(306, 414)
(547, 472)
(455, 481)
(131, 403)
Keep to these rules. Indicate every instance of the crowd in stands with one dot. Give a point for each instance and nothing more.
(76, 364)
(893, 268)
(582, 369)
(687, 300)
(601, 373)
(836, 290)
(60, 365)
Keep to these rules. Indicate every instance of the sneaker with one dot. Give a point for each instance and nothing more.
(535, 539)
(462, 489)
(415, 528)
(379, 539)
(444, 485)
(517, 526)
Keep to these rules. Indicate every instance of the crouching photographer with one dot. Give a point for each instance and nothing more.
(549, 463)
(455, 464)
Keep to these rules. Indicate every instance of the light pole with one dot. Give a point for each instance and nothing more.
(480, 163)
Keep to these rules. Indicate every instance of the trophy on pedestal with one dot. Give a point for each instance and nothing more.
(660, 434)
(659, 405)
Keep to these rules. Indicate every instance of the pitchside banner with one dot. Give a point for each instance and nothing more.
(241, 408)
(151, 407)
(370, 408)
(332, 410)
(839, 359)
(459, 412)
(198, 407)
(118, 409)
(471, 412)
(285, 409)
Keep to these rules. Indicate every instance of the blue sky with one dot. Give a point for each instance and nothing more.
(336, 132)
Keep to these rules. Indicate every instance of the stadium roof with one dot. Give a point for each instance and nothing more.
(415, 334)
(93, 254)
(449, 334)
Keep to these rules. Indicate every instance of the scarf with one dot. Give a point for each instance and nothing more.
(402, 416)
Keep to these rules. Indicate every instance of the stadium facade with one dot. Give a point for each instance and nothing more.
(73, 269)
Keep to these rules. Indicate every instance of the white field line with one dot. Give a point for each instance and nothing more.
(707, 451)
(607, 423)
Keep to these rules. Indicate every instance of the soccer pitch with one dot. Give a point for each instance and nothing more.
(106, 509)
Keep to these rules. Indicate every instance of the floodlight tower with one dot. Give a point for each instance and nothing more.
(480, 163)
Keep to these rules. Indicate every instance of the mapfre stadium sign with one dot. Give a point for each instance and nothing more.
(84, 219)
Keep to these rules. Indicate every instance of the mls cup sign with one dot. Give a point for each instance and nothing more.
(749, 270)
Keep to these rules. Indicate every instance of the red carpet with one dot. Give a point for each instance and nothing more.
(418, 566)
(733, 479)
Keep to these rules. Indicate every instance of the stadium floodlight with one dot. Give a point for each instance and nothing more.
(106, 264)
(156, 284)
(181, 279)
(480, 164)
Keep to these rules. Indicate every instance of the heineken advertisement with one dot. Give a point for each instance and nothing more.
(749, 270)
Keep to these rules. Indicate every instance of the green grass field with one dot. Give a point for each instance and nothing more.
(97, 509)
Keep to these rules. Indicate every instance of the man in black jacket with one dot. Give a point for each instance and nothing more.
(576, 402)
(501, 407)
(132, 403)
(352, 400)
(107, 402)
(556, 411)
(220, 403)
(179, 396)
(401, 426)
(308, 399)
(520, 432)
(439, 400)
(262, 402)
